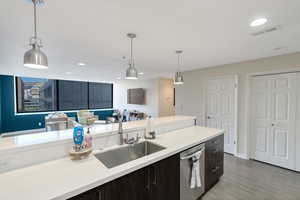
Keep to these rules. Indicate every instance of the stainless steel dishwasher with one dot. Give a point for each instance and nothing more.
(186, 167)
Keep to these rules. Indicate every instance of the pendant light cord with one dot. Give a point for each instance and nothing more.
(35, 21)
(178, 61)
(131, 57)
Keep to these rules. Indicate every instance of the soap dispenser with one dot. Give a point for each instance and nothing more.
(149, 133)
(88, 139)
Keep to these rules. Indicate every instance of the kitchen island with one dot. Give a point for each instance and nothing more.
(64, 178)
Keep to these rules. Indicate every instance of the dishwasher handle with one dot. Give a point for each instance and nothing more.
(188, 156)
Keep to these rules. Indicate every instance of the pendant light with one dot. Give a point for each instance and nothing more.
(178, 75)
(131, 72)
(35, 58)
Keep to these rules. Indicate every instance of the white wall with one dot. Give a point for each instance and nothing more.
(190, 96)
(151, 86)
(298, 126)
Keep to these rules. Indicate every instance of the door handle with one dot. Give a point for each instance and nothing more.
(100, 195)
(148, 180)
(216, 142)
(215, 151)
(155, 176)
(215, 169)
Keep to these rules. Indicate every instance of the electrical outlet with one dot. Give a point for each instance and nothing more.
(7, 162)
(3, 164)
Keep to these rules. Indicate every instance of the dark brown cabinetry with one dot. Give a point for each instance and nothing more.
(214, 161)
(159, 181)
(129, 187)
(165, 183)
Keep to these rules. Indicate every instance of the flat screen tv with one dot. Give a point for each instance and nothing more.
(136, 96)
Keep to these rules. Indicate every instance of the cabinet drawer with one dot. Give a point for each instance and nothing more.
(214, 152)
(212, 175)
(215, 167)
(217, 141)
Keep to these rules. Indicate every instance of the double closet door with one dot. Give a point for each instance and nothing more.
(273, 119)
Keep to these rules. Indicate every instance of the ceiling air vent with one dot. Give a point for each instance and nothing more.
(266, 30)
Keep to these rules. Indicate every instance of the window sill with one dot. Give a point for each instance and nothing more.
(70, 111)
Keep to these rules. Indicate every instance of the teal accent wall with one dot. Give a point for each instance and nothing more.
(10, 122)
(0, 104)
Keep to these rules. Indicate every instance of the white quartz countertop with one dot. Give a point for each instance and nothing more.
(23, 141)
(64, 178)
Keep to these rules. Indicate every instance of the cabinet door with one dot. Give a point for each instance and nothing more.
(165, 179)
(129, 187)
(214, 161)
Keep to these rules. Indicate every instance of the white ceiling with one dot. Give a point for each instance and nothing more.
(211, 32)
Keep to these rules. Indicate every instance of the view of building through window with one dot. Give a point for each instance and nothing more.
(42, 95)
(36, 95)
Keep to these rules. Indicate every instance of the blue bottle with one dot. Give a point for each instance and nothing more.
(78, 135)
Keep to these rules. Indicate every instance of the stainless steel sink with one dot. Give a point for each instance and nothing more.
(115, 157)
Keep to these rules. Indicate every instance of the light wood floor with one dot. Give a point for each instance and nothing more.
(251, 180)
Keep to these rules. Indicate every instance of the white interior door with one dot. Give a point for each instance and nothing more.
(212, 104)
(221, 108)
(297, 132)
(261, 118)
(274, 112)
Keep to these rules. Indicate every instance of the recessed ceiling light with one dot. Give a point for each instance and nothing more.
(141, 73)
(259, 22)
(68, 73)
(81, 64)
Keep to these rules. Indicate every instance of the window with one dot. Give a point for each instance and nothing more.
(72, 95)
(44, 95)
(35, 95)
(100, 95)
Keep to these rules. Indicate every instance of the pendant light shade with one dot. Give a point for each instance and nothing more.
(178, 78)
(131, 72)
(35, 58)
(178, 75)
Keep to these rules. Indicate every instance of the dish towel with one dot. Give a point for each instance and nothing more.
(195, 177)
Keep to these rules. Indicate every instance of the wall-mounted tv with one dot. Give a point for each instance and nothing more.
(136, 96)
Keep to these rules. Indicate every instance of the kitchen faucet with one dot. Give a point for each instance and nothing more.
(128, 140)
(120, 130)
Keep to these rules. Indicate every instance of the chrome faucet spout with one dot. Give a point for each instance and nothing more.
(132, 140)
(120, 130)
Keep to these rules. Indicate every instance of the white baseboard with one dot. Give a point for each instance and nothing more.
(242, 156)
